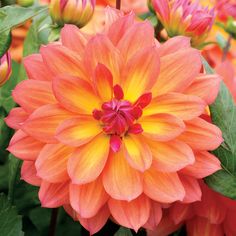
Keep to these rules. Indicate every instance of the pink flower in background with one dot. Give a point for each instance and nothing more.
(225, 9)
(5, 68)
(185, 17)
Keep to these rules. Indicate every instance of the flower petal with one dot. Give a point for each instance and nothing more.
(201, 135)
(62, 60)
(161, 127)
(177, 71)
(103, 82)
(154, 217)
(78, 131)
(36, 69)
(24, 146)
(43, 122)
(185, 107)
(120, 180)
(16, 117)
(87, 162)
(73, 38)
(129, 45)
(54, 195)
(52, 161)
(202, 85)
(141, 73)
(32, 94)
(137, 152)
(75, 94)
(29, 173)
(170, 156)
(163, 187)
(89, 198)
(133, 214)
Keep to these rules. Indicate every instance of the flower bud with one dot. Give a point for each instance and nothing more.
(5, 68)
(25, 3)
(77, 12)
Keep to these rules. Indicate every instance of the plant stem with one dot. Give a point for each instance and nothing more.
(53, 223)
(226, 48)
(118, 4)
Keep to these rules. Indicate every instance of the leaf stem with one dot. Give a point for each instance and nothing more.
(118, 4)
(226, 48)
(53, 222)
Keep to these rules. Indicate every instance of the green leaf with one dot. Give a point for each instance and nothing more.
(10, 222)
(123, 232)
(222, 42)
(223, 114)
(54, 34)
(12, 16)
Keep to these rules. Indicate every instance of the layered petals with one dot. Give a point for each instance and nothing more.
(16, 117)
(29, 173)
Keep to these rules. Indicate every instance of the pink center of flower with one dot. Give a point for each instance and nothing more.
(119, 116)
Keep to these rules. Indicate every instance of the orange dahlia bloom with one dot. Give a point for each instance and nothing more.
(214, 215)
(108, 124)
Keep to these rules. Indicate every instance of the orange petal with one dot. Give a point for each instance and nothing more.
(205, 164)
(137, 152)
(31, 94)
(36, 69)
(103, 82)
(163, 187)
(129, 45)
(202, 226)
(94, 224)
(24, 146)
(133, 214)
(177, 71)
(182, 106)
(87, 162)
(192, 189)
(62, 60)
(161, 127)
(154, 216)
(43, 122)
(54, 195)
(78, 131)
(101, 50)
(202, 85)
(16, 117)
(75, 94)
(29, 173)
(174, 44)
(73, 38)
(120, 180)
(170, 156)
(201, 135)
(119, 27)
(179, 212)
(89, 198)
(141, 73)
(52, 161)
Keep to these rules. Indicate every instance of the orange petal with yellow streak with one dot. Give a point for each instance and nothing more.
(88, 161)
(120, 180)
(161, 127)
(133, 214)
(88, 199)
(16, 117)
(32, 94)
(43, 122)
(137, 152)
(163, 187)
(75, 94)
(78, 131)
(51, 163)
(29, 173)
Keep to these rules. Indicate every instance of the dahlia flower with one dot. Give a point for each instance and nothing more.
(213, 215)
(109, 124)
(5, 68)
(72, 11)
(184, 17)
